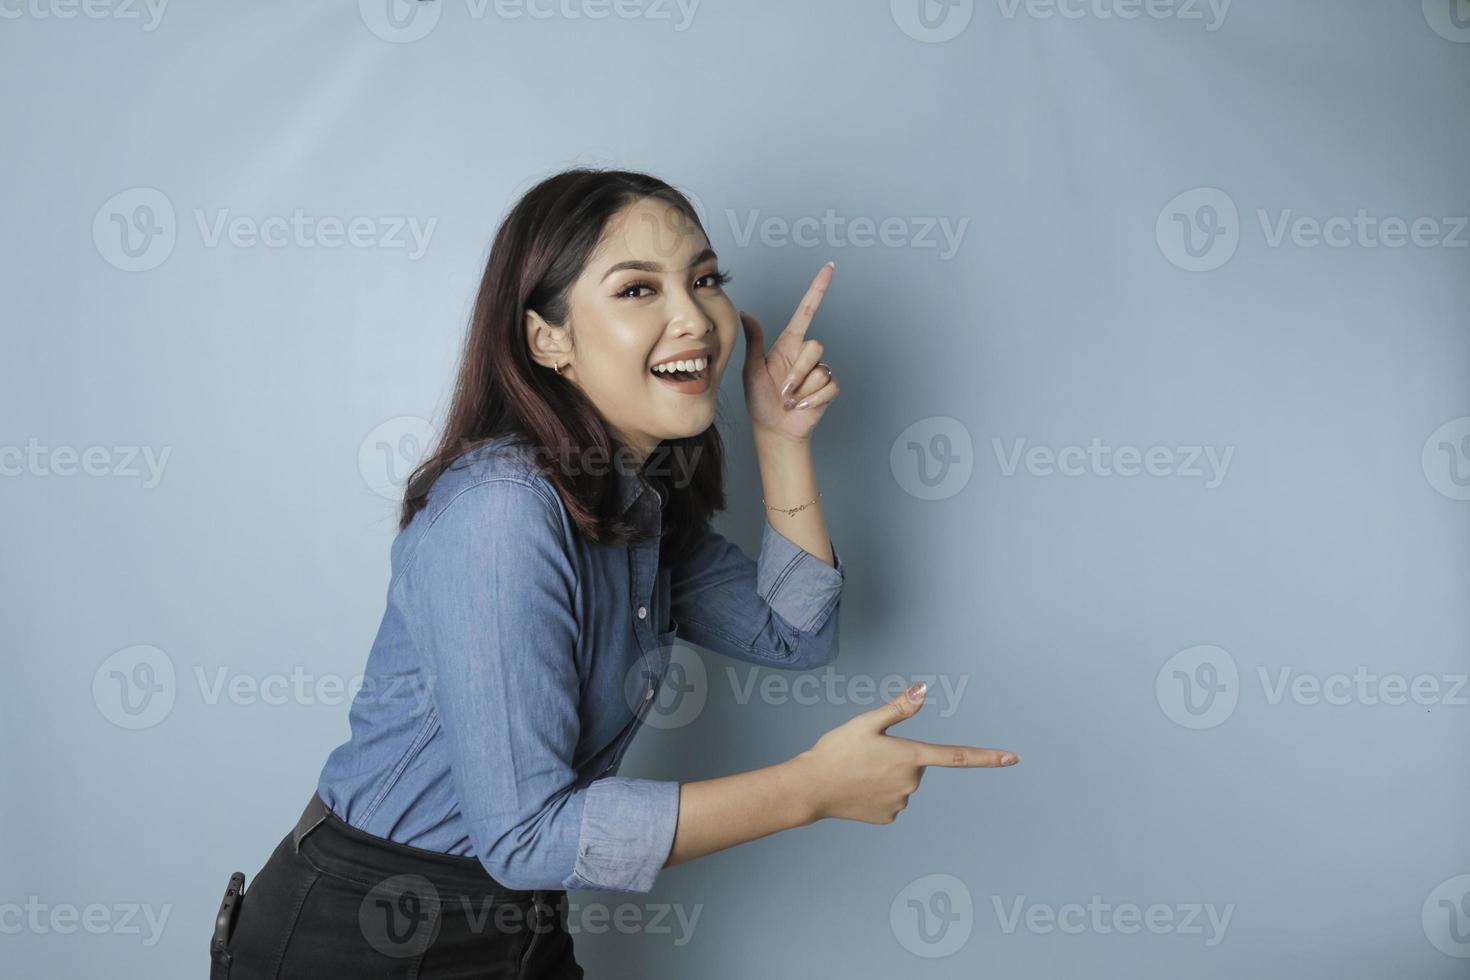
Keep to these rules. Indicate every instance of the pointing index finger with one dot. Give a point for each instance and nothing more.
(964, 756)
(802, 318)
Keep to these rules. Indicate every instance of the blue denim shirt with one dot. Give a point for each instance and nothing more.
(516, 659)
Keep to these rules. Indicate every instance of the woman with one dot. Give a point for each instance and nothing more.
(548, 552)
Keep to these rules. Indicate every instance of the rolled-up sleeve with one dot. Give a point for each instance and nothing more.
(493, 588)
(780, 609)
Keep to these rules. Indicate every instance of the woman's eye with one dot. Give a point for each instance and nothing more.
(632, 286)
(710, 280)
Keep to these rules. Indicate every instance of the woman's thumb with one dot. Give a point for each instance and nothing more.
(899, 708)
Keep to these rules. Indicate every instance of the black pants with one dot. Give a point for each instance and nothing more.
(333, 901)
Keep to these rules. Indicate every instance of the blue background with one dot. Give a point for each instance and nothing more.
(1077, 150)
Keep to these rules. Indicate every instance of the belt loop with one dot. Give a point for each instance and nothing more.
(316, 811)
(540, 909)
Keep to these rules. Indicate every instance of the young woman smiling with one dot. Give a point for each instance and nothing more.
(549, 551)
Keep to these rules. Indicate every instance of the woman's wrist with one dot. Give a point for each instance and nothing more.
(774, 437)
(806, 808)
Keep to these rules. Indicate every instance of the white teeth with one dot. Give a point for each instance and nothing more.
(697, 364)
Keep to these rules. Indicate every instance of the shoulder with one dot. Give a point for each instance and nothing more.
(499, 472)
(492, 497)
(492, 527)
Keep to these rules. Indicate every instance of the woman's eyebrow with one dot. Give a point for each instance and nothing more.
(645, 266)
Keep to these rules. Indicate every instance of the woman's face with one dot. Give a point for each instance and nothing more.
(650, 293)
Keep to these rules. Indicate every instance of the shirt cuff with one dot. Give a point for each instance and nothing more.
(627, 832)
(795, 583)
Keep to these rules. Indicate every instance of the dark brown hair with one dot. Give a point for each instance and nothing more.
(540, 249)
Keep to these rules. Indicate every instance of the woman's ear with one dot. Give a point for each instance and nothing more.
(550, 346)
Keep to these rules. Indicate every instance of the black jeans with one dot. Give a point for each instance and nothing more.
(346, 903)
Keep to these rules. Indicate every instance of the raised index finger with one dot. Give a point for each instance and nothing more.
(802, 318)
(964, 756)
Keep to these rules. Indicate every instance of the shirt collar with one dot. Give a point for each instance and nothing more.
(631, 486)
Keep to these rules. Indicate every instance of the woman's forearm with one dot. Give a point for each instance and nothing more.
(718, 813)
(789, 479)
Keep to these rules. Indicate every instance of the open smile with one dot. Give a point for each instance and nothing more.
(689, 377)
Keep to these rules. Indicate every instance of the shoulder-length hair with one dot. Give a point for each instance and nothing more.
(540, 249)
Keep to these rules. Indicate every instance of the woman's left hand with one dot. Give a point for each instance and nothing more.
(792, 365)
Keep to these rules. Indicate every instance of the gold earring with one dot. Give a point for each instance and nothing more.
(558, 368)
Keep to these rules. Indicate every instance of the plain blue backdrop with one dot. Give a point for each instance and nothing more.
(1153, 454)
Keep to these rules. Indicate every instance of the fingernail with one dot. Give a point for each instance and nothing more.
(831, 263)
(790, 402)
(803, 403)
(1009, 760)
(916, 690)
(787, 387)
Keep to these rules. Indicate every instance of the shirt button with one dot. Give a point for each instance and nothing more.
(642, 612)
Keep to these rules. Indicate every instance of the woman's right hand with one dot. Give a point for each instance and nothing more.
(858, 772)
